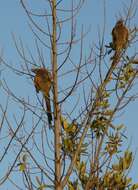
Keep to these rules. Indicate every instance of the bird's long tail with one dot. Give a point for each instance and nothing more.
(116, 56)
(48, 107)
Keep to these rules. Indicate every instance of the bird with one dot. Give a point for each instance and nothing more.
(43, 82)
(120, 36)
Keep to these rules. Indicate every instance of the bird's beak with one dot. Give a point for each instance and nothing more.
(34, 70)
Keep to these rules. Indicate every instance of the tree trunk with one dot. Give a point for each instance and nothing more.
(57, 129)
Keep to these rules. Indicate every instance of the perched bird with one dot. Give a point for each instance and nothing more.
(119, 37)
(42, 82)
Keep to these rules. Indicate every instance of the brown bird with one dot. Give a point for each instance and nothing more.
(119, 36)
(42, 82)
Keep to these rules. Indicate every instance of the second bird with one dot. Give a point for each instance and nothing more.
(119, 36)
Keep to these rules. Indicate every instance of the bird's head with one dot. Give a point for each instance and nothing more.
(120, 22)
(35, 70)
(42, 71)
(39, 70)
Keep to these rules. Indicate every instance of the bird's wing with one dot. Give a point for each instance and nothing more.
(36, 84)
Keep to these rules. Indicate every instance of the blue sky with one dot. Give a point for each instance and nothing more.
(14, 20)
